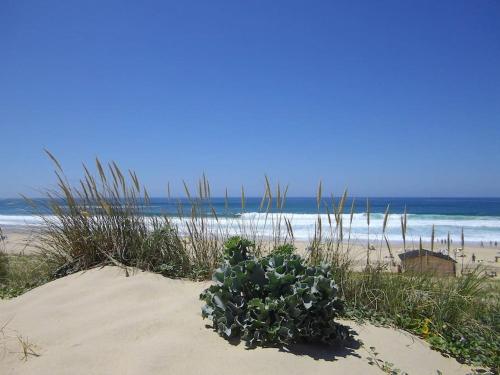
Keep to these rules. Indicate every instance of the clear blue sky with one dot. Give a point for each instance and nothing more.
(390, 98)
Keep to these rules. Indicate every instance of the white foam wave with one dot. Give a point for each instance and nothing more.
(20, 220)
(485, 228)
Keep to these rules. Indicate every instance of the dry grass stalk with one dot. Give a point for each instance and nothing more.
(404, 222)
(432, 238)
(368, 232)
(448, 243)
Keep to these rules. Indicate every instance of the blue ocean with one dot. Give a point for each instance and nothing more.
(478, 217)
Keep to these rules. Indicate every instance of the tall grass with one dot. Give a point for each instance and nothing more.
(20, 273)
(458, 316)
(23, 273)
(3, 259)
(104, 220)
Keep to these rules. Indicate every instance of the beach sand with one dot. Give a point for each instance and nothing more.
(485, 257)
(21, 240)
(101, 322)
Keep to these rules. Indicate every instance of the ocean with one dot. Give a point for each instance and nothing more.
(478, 217)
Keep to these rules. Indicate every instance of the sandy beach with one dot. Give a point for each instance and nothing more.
(21, 240)
(101, 322)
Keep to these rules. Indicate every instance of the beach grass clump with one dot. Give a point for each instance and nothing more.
(102, 220)
(457, 316)
(273, 300)
(3, 258)
(4, 263)
(21, 273)
(106, 219)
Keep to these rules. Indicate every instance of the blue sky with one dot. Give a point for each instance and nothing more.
(389, 98)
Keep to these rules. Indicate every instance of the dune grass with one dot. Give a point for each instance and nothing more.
(457, 316)
(103, 220)
(21, 273)
(3, 258)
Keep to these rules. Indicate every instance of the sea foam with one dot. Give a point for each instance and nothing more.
(476, 228)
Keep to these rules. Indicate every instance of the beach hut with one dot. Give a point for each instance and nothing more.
(428, 261)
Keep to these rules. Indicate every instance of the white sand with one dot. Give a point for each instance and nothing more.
(101, 322)
(19, 240)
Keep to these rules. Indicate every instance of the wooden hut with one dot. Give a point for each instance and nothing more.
(428, 261)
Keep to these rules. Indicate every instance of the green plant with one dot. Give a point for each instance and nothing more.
(285, 249)
(23, 273)
(104, 221)
(174, 262)
(457, 316)
(3, 260)
(272, 300)
(384, 366)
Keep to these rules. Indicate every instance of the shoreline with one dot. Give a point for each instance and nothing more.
(22, 241)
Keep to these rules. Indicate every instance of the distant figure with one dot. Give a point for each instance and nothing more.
(473, 258)
(482, 244)
(491, 243)
(496, 243)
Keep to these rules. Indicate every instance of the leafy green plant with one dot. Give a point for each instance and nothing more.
(285, 249)
(273, 300)
(384, 366)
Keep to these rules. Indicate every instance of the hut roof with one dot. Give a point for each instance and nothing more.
(423, 252)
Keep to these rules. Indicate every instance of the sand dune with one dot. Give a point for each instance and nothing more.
(101, 322)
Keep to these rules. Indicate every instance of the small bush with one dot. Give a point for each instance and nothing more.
(285, 249)
(163, 252)
(273, 300)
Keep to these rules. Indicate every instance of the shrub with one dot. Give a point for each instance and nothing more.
(273, 300)
(285, 249)
(163, 252)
